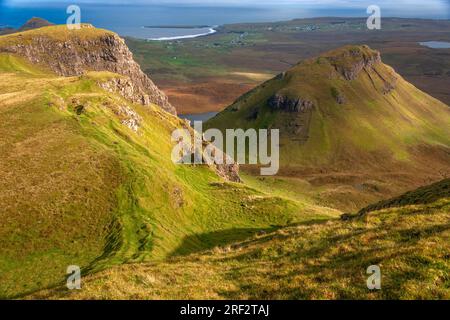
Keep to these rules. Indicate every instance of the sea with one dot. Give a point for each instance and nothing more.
(162, 21)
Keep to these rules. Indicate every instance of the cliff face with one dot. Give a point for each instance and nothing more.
(350, 63)
(89, 49)
(283, 103)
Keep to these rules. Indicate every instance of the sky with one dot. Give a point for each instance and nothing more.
(125, 20)
(354, 3)
(402, 8)
(442, 6)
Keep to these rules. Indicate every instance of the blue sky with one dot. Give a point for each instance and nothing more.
(16, 12)
(402, 8)
(442, 6)
(354, 3)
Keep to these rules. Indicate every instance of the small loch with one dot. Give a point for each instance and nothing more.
(198, 117)
(436, 44)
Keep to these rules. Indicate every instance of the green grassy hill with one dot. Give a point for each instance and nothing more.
(350, 126)
(315, 260)
(81, 187)
(423, 195)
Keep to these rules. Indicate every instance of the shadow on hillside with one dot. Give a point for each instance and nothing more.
(206, 241)
(424, 195)
(210, 240)
(326, 265)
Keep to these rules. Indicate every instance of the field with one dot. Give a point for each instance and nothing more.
(208, 73)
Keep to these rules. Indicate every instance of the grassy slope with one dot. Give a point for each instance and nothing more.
(52, 179)
(322, 260)
(423, 195)
(373, 146)
(57, 33)
(86, 190)
(369, 121)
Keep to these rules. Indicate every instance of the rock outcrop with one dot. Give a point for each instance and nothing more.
(127, 89)
(283, 103)
(349, 63)
(338, 96)
(130, 118)
(229, 172)
(89, 49)
(227, 168)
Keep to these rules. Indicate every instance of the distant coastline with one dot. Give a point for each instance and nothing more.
(178, 27)
(211, 30)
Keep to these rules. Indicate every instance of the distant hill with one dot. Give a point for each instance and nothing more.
(35, 23)
(6, 30)
(349, 121)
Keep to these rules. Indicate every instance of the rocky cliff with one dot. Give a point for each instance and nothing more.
(349, 63)
(80, 52)
(87, 49)
(283, 103)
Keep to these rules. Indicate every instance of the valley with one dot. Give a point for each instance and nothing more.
(88, 178)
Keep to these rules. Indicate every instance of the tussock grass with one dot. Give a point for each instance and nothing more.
(315, 260)
(423, 195)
